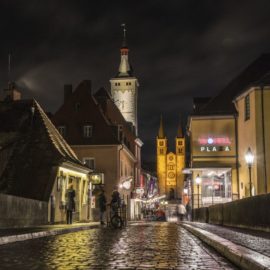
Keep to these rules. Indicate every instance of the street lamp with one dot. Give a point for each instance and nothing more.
(249, 157)
(198, 181)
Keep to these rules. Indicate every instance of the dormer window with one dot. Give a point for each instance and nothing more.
(87, 131)
(62, 130)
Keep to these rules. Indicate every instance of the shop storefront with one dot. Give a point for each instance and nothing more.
(213, 170)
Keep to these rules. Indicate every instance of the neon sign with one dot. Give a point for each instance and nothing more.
(222, 141)
(214, 144)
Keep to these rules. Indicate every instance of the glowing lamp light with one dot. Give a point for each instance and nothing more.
(249, 157)
(210, 140)
(198, 179)
(185, 191)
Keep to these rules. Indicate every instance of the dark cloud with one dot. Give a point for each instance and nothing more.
(179, 49)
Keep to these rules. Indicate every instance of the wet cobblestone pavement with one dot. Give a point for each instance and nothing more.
(257, 241)
(139, 246)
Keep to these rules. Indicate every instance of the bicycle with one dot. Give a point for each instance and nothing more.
(117, 216)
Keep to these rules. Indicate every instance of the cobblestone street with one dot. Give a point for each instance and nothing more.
(139, 246)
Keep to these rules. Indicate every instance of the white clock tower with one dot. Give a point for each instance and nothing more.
(124, 87)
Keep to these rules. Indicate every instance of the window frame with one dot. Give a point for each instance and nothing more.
(85, 159)
(247, 107)
(86, 133)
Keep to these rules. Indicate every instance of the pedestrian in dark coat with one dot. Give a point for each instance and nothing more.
(70, 203)
(102, 206)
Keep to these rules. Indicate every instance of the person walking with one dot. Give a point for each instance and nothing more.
(115, 202)
(70, 206)
(188, 211)
(102, 206)
(181, 211)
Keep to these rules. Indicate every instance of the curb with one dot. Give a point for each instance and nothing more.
(28, 236)
(239, 255)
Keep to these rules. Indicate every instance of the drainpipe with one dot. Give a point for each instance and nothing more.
(122, 147)
(263, 138)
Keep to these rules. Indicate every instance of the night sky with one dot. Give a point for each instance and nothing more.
(178, 50)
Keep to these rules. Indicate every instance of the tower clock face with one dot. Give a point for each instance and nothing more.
(171, 175)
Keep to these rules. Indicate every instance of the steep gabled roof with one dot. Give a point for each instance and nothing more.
(222, 103)
(33, 147)
(115, 117)
(83, 109)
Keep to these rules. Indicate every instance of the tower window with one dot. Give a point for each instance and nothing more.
(161, 151)
(62, 130)
(87, 131)
(247, 108)
(180, 150)
(161, 143)
(180, 143)
(116, 84)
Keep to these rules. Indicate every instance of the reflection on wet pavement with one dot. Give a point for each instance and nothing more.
(139, 246)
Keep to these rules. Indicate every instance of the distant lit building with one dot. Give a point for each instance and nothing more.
(222, 129)
(170, 164)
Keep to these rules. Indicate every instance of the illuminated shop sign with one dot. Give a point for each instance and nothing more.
(214, 144)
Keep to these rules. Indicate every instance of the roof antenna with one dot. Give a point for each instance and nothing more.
(124, 29)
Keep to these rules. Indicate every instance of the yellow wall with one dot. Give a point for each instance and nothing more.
(106, 161)
(251, 135)
(161, 164)
(80, 184)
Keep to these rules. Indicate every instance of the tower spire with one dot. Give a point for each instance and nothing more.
(124, 67)
(124, 43)
(161, 134)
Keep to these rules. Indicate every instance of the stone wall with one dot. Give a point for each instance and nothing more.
(251, 213)
(22, 212)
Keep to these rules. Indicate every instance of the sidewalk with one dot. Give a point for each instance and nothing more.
(21, 234)
(247, 249)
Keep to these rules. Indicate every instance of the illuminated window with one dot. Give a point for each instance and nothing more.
(89, 162)
(161, 143)
(62, 130)
(88, 131)
(180, 143)
(171, 167)
(247, 108)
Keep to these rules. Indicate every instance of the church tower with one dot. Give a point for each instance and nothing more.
(161, 158)
(170, 164)
(124, 86)
(180, 160)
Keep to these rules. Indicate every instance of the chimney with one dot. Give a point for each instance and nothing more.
(12, 93)
(67, 91)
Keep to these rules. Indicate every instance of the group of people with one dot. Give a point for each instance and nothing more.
(182, 210)
(102, 202)
(114, 204)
